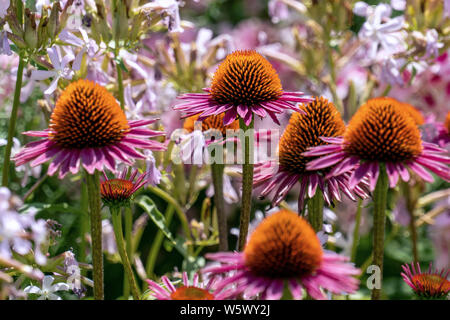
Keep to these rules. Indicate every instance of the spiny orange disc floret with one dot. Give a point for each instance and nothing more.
(322, 119)
(447, 122)
(214, 122)
(245, 78)
(191, 293)
(413, 112)
(114, 190)
(431, 285)
(87, 116)
(284, 245)
(381, 131)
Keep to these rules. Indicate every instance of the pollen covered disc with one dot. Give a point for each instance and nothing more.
(381, 130)
(284, 245)
(322, 119)
(87, 116)
(245, 78)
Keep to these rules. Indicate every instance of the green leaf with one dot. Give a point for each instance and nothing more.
(157, 217)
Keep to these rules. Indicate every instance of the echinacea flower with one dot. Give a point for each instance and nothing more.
(283, 249)
(381, 131)
(117, 192)
(88, 126)
(319, 119)
(47, 291)
(187, 291)
(244, 84)
(432, 284)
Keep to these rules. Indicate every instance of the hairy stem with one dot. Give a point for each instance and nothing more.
(315, 211)
(247, 183)
(93, 186)
(128, 243)
(379, 221)
(12, 121)
(118, 232)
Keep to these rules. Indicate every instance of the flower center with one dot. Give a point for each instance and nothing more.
(116, 189)
(87, 116)
(380, 131)
(304, 130)
(191, 293)
(284, 245)
(214, 122)
(245, 78)
(431, 284)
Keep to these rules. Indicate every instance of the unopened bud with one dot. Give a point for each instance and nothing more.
(31, 37)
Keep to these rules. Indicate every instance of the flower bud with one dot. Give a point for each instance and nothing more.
(53, 23)
(31, 37)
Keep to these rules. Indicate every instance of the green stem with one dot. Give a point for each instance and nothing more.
(156, 245)
(247, 184)
(120, 83)
(118, 232)
(217, 178)
(333, 88)
(12, 121)
(386, 90)
(379, 221)
(93, 186)
(315, 212)
(356, 231)
(128, 243)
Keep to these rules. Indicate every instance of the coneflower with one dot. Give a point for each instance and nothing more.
(244, 84)
(89, 129)
(381, 142)
(320, 119)
(432, 284)
(194, 290)
(283, 251)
